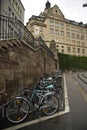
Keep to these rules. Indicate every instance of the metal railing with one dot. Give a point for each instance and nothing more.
(13, 28)
(40, 42)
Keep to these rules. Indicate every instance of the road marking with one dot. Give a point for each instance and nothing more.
(67, 109)
(84, 94)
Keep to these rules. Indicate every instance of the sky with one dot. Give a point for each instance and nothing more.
(72, 9)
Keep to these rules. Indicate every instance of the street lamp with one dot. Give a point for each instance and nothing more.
(85, 5)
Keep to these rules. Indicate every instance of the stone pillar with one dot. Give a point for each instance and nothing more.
(54, 50)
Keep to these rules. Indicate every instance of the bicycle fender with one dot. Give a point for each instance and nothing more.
(22, 98)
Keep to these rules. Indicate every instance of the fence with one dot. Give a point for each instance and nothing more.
(13, 28)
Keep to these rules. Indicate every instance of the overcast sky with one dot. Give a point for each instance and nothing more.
(72, 9)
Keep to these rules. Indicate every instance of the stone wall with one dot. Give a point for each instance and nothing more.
(21, 64)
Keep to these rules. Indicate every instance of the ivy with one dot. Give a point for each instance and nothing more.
(68, 62)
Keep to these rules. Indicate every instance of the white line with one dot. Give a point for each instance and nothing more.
(67, 109)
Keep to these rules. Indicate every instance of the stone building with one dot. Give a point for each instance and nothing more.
(14, 10)
(70, 36)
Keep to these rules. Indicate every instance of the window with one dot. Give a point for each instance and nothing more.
(51, 22)
(62, 33)
(57, 45)
(61, 25)
(37, 31)
(83, 51)
(74, 49)
(73, 35)
(77, 36)
(56, 24)
(51, 30)
(82, 37)
(12, 15)
(78, 50)
(56, 31)
(82, 30)
(56, 11)
(9, 12)
(68, 49)
(68, 34)
(62, 50)
(62, 46)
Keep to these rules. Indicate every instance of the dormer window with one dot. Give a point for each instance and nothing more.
(56, 11)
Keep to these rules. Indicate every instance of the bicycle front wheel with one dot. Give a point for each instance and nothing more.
(50, 104)
(17, 110)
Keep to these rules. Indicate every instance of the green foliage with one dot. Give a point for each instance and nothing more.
(68, 62)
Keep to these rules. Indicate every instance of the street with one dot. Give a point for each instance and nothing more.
(74, 117)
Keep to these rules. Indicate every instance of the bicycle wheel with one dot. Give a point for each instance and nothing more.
(50, 104)
(17, 110)
(59, 92)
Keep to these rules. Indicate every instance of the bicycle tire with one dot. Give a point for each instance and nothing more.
(50, 104)
(59, 92)
(17, 110)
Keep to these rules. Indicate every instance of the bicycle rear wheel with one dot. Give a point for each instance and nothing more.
(17, 110)
(59, 92)
(50, 104)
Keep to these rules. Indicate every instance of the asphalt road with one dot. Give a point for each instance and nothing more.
(74, 117)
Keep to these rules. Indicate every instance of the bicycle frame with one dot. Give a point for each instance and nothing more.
(40, 94)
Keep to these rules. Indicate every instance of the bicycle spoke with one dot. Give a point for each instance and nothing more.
(17, 110)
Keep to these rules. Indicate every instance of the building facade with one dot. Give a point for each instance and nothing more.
(51, 25)
(13, 9)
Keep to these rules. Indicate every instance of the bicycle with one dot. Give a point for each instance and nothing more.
(14, 102)
(37, 99)
(51, 84)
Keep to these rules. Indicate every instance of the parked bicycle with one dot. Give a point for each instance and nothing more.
(30, 100)
(43, 97)
(52, 84)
